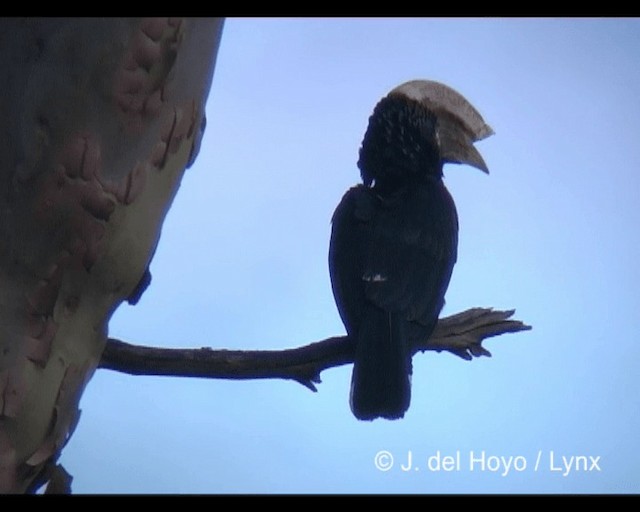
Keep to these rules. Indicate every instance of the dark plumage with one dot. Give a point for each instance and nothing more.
(393, 248)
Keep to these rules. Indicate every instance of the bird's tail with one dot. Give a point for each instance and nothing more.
(381, 379)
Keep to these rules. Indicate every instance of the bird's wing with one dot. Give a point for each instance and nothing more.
(411, 252)
(350, 235)
(397, 256)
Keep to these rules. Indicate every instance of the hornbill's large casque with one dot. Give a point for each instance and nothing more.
(394, 237)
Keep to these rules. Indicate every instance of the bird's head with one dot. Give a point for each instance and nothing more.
(417, 128)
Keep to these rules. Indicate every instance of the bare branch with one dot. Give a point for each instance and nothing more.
(461, 334)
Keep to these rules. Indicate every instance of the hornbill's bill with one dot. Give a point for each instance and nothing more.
(394, 238)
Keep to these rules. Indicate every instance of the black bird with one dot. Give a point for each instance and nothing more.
(394, 238)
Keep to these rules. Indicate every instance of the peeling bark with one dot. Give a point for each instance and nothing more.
(98, 120)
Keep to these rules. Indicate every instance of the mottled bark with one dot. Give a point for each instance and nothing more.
(98, 120)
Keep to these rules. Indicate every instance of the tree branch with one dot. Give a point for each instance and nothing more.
(461, 334)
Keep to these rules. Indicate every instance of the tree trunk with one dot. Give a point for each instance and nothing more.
(98, 120)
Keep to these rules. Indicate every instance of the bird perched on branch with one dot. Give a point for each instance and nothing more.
(394, 238)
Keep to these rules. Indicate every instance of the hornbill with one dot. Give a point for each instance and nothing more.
(394, 238)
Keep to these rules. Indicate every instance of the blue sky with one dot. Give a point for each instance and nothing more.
(242, 264)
